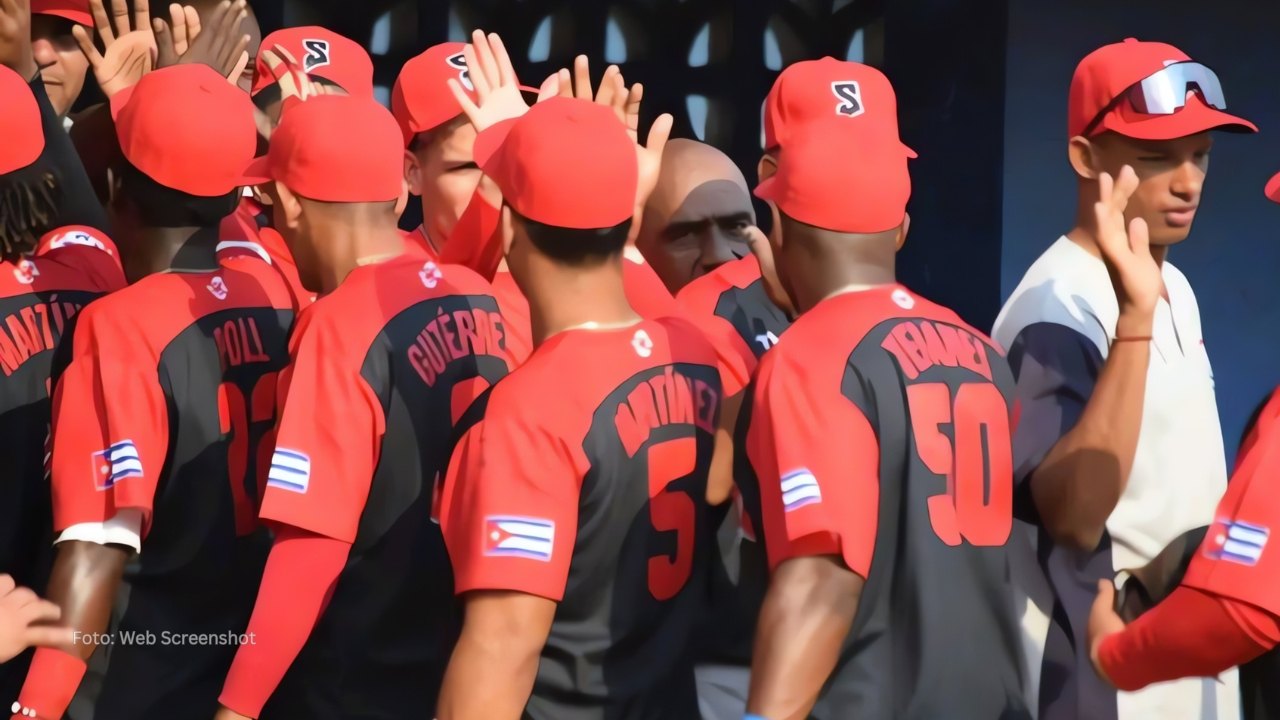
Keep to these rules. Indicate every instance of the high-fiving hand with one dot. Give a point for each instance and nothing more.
(130, 48)
(223, 46)
(1134, 272)
(15, 38)
(498, 93)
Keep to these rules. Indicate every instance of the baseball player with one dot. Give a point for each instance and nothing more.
(1119, 449)
(581, 571)
(878, 433)
(159, 420)
(47, 276)
(357, 601)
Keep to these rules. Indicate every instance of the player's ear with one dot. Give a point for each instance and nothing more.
(290, 208)
(775, 230)
(412, 173)
(402, 202)
(1083, 154)
(903, 229)
(766, 168)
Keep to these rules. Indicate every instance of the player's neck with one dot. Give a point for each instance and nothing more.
(831, 279)
(573, 298)
(361, 245)
(190, 249)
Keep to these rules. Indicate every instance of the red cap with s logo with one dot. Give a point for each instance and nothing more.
(323, 54)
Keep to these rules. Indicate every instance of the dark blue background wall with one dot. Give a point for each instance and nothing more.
(1233, 255)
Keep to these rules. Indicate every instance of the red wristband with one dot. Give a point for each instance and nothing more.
(51, 683)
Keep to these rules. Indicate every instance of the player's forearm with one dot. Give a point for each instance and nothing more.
(489, 677)
(84, 582)
(804, 621)
(1080, 481)
(300, 576)
(1190, 634)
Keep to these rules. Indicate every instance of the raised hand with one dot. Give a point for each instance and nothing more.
(649, 156)
(498, 94)
(130, 49)
(1126, 250)
(221, 46)
(24, 619)
(15, 38)
(763, 251)
(173, 38)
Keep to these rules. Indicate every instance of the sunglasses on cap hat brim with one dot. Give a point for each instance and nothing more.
(1164, 92)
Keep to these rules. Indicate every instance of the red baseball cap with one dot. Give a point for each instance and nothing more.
(188, 129)
(323, 53)
(19, 123)
(316, 153)
(822, 89)
(421, 99)
(567, 162)
(77, 11)
(1273, 189)
(824, 109)
(1107, 73)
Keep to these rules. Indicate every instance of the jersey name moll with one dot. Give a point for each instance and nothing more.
(239, 343)
(921, 344)
(667, 399)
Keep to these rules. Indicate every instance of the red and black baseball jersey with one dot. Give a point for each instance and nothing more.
(733, 295)
(878, 432)
(167, 408)
(585, 483)
(40, 302)
(735, 292)
(384, 371)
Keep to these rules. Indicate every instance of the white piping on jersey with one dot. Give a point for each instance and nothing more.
(246, 245)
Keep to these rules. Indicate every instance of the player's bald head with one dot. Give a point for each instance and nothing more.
(686, 166)
(695, 219)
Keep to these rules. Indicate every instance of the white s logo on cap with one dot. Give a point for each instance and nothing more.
(850, 96)
(459, 62)
(317, 54)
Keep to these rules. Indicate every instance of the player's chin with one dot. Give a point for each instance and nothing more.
(1164, 235)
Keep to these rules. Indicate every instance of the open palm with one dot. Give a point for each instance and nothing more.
(130, 48)
(1126, 250)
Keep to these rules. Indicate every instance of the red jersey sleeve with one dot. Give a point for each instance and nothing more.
(110, 426)
(475, 241)
(817, 460)
(510, 515)
(1238, 559)
(329, 436)
(88, 249)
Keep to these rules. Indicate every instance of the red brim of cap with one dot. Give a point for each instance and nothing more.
(78, 17)
(1273, 188)
(1193, 119)
(488, 142)
(258, 172)
(767, 189)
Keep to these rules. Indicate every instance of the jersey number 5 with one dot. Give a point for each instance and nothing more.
(672, 511)
(978, 503)
(251, 426)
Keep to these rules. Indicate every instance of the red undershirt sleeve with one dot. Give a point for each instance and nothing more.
(299, 579)
(1191, 633)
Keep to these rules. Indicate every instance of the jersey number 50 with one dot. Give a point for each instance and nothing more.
(978, 503)
(251, 426)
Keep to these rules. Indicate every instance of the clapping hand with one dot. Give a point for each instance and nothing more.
(130, 48)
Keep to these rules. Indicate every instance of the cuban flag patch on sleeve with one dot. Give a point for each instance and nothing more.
(116, 463)
(1237, 542)
(290, 470)
(800, 488)
(518, 536)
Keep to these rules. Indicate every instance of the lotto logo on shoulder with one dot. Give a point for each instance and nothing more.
(518, 536)
(1237, 542)
(290, 470)
(218, 288)
(116, 463)
(800, 488)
